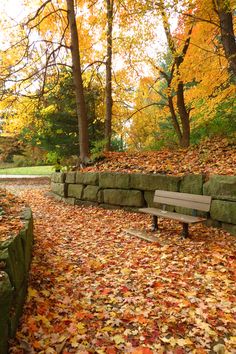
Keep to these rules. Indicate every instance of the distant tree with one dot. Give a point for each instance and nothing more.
(55, 128)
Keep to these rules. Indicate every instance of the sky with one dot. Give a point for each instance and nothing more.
(15, 11)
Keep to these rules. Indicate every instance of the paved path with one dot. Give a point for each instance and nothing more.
(23, 176)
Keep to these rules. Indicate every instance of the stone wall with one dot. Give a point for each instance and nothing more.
(15, 258)
(136, 190)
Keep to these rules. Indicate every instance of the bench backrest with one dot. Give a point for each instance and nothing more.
(191, 201)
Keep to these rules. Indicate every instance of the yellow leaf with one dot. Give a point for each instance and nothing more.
(219, 348)
(125, 271)
(44, 320)
(118, 339)
(32, 293)
(73, 342)
(80, 328)
(182, 342)
(45, 292)
(232, 340)
(107, 329)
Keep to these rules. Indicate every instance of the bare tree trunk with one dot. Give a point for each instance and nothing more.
(227, 32)
(108, 116)
(174, 119)
(78, 83)
(183, 129)
(184, 115)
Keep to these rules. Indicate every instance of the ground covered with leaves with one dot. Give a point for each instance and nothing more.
(11, 209)
(212, 157)
(95, 289)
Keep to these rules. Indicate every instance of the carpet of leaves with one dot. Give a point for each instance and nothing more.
(212, 157)
(95, 289)
(11, 209)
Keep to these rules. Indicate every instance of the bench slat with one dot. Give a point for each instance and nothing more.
(192, 201)
(172, 215)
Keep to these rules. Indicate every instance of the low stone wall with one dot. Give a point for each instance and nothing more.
(137, 190)
(15, 258)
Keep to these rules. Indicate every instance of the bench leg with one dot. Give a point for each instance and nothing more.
(185, 230)
(154, 223)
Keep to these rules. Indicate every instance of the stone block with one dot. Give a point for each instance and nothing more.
(221, 187)
(79, 177)
(152, 182)
(229, 228)
(91, 178)
(224, 211)
(14, 259)
(148, 196)
(90, 193)
(100, 196)
(75, 190)
(27, 247)
(85, 203)
(6, 293)
(212, 223)
(17, 308)
(114, 180)
(192, 184)
(70, 177)
(26, 214)
(69, 200)
(59, 189)
(123, 197)
(58, 177)
(87, 178)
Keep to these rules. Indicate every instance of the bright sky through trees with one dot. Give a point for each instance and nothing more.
(172, 63)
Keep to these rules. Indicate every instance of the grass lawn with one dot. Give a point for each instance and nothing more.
(34, 170)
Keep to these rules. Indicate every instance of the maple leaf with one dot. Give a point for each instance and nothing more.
(32, 293)
(118, 339)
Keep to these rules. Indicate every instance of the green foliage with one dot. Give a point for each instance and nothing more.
(52, 157)
(117, 144)
(97, 151)
(223, 123)
(57, 125)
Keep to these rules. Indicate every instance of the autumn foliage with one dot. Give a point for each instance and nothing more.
(212, 157)
(95, 289)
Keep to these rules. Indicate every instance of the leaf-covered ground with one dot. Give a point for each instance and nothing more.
(95, 289)
(213, 157)
(10, 215)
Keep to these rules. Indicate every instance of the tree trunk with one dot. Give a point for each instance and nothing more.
(174, 119)
(183, 129)
(184, 115)
(227, 33)
(78, 83)
(108, 116)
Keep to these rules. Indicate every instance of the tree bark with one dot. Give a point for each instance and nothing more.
(227, 32)
(184, 116)
(183, 129)
(78, 83)
(108, 114)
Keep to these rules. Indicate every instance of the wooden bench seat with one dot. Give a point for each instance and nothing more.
(186, 200)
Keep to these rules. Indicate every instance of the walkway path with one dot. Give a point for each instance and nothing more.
(21, 176)
(94, 289)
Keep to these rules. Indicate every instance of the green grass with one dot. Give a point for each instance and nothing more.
(34, 170)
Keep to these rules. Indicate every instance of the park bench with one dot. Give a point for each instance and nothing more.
(186, 200)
